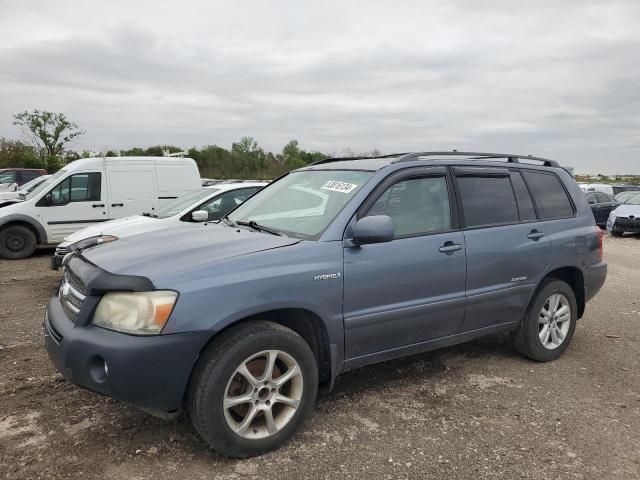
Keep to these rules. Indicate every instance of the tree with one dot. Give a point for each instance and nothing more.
(16, 154)
(48, 132)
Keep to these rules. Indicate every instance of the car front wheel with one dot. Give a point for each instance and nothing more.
(252, 389)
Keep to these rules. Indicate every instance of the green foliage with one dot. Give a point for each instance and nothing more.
(48, 133)
(14, 153)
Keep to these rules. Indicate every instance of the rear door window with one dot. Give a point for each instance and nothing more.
(487, 200)
(549, 194)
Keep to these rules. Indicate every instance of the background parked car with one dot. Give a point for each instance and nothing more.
(601, 205)
(205, 204)
(24, 190)
(625, 218)
(626, 195)
(19, 176)
(89, 191)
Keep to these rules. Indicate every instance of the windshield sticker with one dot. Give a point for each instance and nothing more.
(341, 187)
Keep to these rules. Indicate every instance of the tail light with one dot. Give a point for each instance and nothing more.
(600, 244)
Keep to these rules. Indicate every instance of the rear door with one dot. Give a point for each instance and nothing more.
(72, 204)
(410, 290)
(132, 190)
(507, 247)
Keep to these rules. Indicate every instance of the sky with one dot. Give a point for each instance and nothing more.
(558, 79)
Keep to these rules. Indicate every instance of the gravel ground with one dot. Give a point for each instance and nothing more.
(472, 411)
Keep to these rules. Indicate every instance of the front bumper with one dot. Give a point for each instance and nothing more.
(624, 225)
(149, 372)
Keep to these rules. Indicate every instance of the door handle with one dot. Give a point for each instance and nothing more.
(535, 235)
(98, 205)
(449, 247)
(117, 204)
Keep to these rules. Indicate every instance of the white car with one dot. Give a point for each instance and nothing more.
(625, 218)
(206, 204)
(23, 191)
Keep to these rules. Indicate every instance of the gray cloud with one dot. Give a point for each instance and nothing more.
(551, 79)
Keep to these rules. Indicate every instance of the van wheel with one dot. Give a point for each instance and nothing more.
(17, 242)
(252, 389)
(547, 328)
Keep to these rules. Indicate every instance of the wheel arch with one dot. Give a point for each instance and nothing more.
(574, 277)
(26, 221)
(305, 323)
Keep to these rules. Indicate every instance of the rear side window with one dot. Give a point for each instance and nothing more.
(487, 200)
(525, 204)
(550, 197)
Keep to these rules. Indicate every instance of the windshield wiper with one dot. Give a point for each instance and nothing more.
(260, 228)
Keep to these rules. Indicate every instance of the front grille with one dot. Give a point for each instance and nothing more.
(71, 294)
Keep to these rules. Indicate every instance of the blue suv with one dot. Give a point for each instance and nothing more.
(340, 264)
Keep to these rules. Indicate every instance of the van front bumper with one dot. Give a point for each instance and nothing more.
(150, 372)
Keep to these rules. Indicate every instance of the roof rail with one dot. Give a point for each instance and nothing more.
(511, 158)
(342, 159)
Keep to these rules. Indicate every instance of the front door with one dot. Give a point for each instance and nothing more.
(410, 290)
(73, 204)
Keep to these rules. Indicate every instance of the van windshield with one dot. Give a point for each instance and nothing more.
(302, 204)
(46, 183)
(185, 201)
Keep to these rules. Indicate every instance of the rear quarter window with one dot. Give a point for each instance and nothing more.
(549, 194)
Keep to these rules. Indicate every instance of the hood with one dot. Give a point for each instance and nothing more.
(626, 210)
(121, 227)
(192, 246)
(11, 206)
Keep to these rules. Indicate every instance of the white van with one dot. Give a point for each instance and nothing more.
(92, 190)
(596, 187)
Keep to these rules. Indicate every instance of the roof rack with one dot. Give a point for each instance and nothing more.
(406, 157)
(342, 159)
(511, 158)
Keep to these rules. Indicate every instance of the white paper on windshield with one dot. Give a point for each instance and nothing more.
(341, 187)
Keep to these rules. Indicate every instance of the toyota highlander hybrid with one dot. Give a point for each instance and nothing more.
(336, 265)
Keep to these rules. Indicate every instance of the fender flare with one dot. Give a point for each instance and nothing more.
(16, 217)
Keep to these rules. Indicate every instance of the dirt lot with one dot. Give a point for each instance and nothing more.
(472, 411)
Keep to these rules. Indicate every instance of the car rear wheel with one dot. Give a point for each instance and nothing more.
(17, 242)
(252, 389)
(547, 328)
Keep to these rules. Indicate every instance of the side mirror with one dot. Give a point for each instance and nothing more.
(374, 229)
(592, 201)
(200, 216)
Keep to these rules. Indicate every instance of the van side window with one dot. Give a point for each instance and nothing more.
(550, 197)
(487, 200)
(82, 187)
(416, 206)
(525, 204)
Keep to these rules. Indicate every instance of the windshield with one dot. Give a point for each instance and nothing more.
(302, 204)
(185, 201)
(634, 200)
(45, 184)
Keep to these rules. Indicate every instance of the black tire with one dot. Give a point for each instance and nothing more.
(215, 369)
(526, 338)
(616, 234)
(17, 242)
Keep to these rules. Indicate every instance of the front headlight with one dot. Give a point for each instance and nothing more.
(138, 313)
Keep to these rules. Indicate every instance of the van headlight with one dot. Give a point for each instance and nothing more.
(137, 313)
